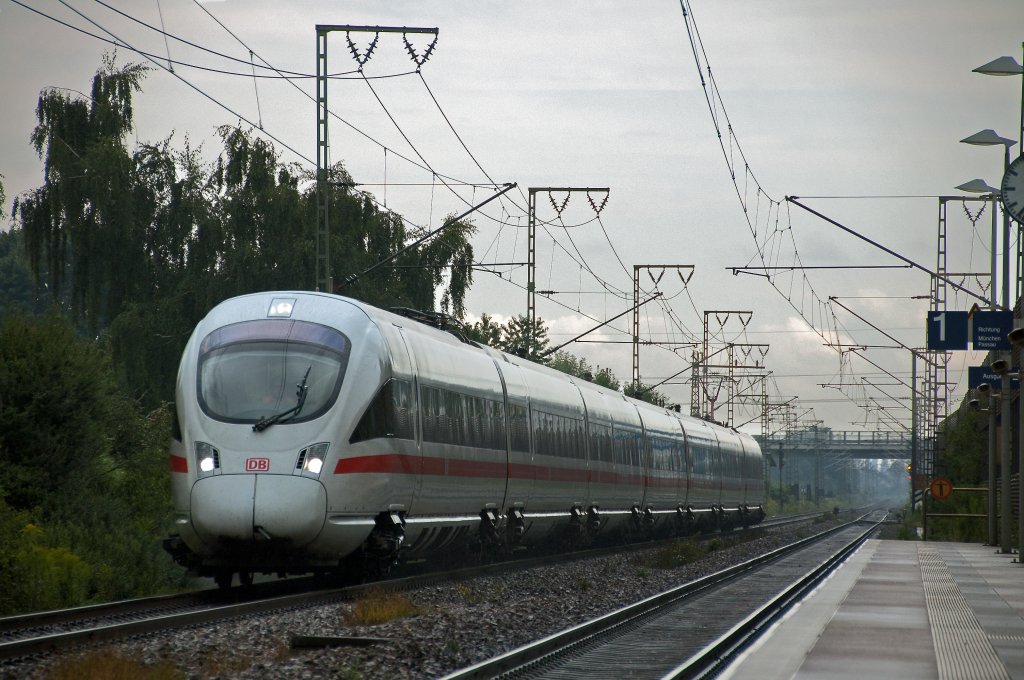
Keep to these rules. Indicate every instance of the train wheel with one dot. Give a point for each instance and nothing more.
(245, 577)
(223, 578)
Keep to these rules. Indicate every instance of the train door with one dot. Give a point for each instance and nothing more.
(402, 357)
(519, 487)
(508, 434)
(583, 440)
(753, 473)
(646, 469)
(683, 467)
(717, 467)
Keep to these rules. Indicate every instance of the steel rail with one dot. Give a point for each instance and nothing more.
(522, 659)
(712, 659)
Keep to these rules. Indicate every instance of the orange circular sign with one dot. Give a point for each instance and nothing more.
(941, 488)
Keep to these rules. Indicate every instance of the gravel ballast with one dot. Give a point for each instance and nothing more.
(452, 625)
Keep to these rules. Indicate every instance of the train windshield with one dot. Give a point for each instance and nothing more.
(252, 370)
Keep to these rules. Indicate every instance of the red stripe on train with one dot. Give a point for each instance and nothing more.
(396, 463)
(179, 463)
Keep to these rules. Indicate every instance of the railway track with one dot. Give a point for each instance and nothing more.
(689, 631)
(53, 631)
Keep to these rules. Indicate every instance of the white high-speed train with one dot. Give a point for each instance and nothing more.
(317, 433)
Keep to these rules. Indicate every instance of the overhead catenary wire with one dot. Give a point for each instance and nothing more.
(121, 43)
(796, 290)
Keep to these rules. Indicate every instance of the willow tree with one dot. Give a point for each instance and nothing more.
(379, 255)
(79, 220)
(147, 241)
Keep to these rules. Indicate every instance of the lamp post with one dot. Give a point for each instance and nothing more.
(990, 138)
(986, 390)
(1017, 338)
(1008, 66)
(1002, 367)
(782, 497)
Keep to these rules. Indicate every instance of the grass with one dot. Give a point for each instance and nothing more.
(675, 554)
(106, 666)
(468, 595)
(377, 608)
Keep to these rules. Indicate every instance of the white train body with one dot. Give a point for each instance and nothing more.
(410, 438)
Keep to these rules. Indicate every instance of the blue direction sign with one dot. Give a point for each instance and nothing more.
(989, 329)
(977, 375)
(947, 330)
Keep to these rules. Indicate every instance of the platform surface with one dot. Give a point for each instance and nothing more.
(902, 609)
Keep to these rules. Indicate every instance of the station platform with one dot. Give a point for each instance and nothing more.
(902, 609)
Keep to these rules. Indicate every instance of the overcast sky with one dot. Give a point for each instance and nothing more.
(838, 102)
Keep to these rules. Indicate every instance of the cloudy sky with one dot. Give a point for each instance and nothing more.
(857, 107)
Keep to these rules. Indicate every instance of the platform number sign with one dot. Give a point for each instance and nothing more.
(947, 330)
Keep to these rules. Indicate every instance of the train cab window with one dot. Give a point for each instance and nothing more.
(254, 369)
(388, 415)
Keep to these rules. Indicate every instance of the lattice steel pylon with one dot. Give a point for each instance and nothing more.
(701, 394)
(636, 303)
(936, 376)
(324, 281)
(531, 243)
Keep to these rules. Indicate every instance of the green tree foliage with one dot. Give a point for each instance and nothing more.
(581, 368)
(570, 363)
(605, 378)
(79, 218)
(645, 393)
(526, 340)
(53, 414)
(486, 331)
(965, 459)
(17, 289)
(83, 474)
(148, 241)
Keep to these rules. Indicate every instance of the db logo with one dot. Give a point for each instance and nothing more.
(257, 465)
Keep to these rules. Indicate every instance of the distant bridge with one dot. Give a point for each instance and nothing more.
(832, 444)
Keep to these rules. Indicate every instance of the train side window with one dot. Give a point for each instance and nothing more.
(519, 428)
(388, 415)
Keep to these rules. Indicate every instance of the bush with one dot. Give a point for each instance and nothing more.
(84, 480)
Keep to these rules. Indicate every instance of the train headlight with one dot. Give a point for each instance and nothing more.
(311, 460)
(207, 459)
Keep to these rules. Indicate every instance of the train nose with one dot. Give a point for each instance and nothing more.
(240, 508)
